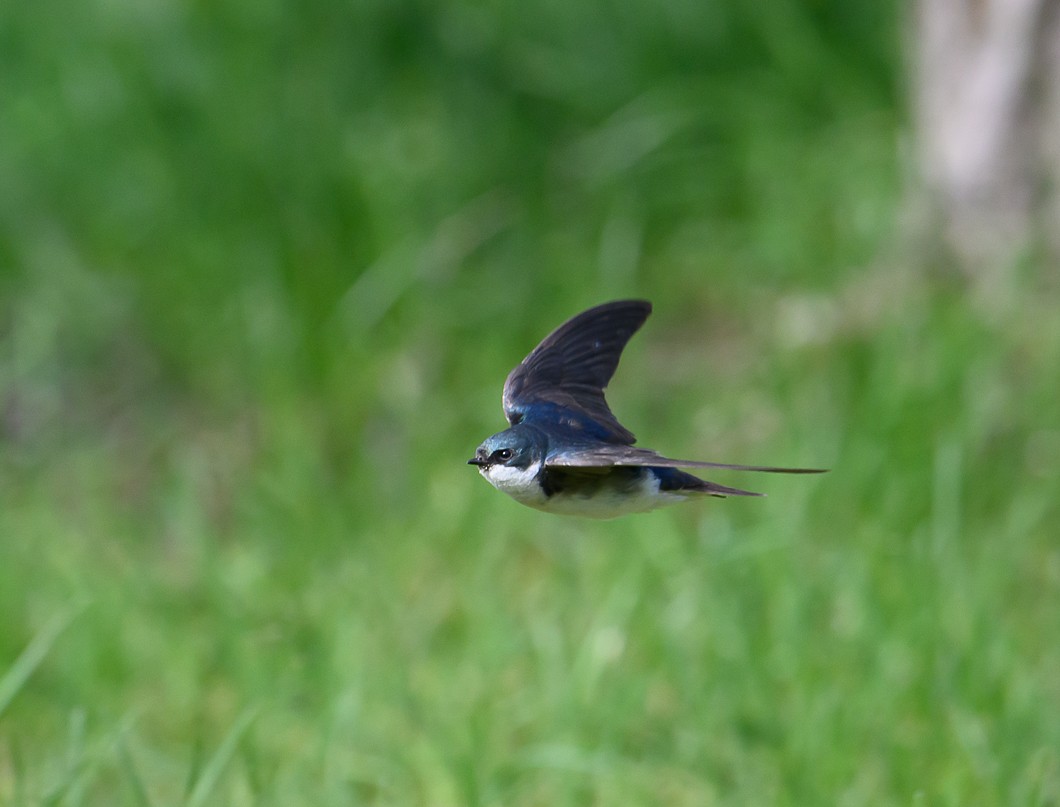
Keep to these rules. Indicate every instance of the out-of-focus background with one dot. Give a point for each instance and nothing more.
(263, 269)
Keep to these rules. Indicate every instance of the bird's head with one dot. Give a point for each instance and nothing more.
(518, 447)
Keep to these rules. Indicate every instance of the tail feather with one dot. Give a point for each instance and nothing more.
(714, 489)
(671, 479)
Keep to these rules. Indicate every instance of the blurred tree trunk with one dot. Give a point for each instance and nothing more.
(987, 94)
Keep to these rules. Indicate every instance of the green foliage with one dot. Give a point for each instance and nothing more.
(263, 268)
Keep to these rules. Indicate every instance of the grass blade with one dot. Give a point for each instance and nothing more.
(30, 658)
(211, 773)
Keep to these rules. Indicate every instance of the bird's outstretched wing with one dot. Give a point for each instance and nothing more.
(563, 379)
(557, 478)
(604, 455)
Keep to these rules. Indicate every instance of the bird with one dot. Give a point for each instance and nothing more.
(564, 451)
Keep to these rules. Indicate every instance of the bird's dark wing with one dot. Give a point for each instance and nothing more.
(592, 456)
(562, 381)
(586, 481)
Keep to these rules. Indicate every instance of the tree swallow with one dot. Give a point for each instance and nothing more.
(565, 452)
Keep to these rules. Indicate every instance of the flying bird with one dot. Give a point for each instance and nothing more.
(565, 451)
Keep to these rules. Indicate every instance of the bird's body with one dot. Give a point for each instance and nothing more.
(596, 492)
(565, 452)
(609, 494)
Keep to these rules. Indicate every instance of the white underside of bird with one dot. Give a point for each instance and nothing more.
(602, 502)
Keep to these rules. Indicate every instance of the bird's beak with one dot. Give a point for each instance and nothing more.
(476, 461)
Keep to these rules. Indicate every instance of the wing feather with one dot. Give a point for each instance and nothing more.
(602, 455)
(567, 373)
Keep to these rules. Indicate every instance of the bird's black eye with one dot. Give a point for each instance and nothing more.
(503, 454)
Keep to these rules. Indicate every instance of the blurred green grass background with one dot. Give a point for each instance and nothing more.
(263, 269)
